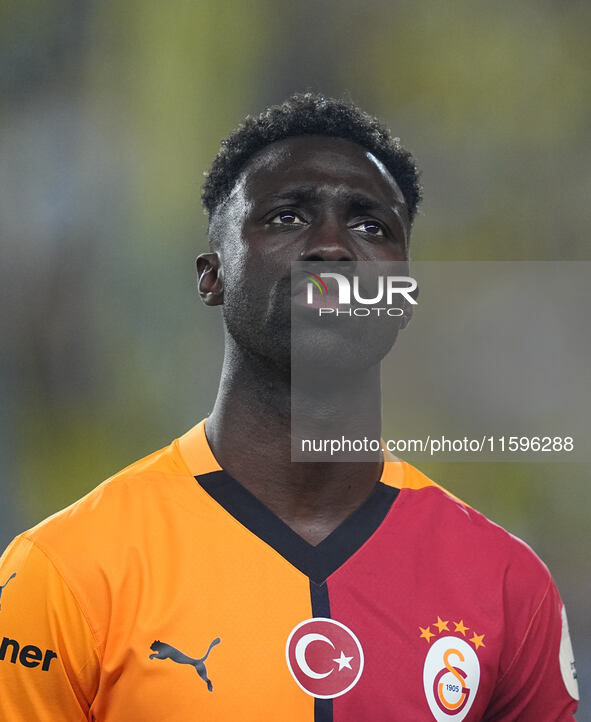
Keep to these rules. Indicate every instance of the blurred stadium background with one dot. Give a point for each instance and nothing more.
(110, 113)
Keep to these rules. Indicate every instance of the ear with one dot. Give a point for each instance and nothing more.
(406, 316)
(210, 279)
(408, 309)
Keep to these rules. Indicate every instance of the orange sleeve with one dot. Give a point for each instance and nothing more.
(49, 666)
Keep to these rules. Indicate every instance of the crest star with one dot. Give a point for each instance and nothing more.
(426, 633)
(441, 625)
(460, 627)
(343, 661)
(477, 640)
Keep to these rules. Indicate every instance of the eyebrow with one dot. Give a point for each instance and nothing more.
(298, 193)
(311, 193)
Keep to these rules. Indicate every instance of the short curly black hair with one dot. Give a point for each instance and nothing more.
(309, 114)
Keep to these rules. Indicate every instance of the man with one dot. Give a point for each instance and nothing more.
(219, 580)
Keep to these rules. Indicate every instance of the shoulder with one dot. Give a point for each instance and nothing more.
(130, 506)
(114, 504)
(98, 545)
(466, 561)
(151, 489)
(480, 546)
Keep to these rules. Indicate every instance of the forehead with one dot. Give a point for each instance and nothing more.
(328, 163)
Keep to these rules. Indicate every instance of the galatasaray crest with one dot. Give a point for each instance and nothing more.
(451, 672)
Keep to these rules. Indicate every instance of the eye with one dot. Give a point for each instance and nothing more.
(286, 218)
(369, 226)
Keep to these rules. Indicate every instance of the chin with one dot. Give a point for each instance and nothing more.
(331, 354)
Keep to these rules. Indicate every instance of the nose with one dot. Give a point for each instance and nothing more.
(327, 242)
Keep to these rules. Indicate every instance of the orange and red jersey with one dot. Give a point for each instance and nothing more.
(171, 593)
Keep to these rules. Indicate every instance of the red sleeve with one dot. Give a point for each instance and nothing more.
(540, 683)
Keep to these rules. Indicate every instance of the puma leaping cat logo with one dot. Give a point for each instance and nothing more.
(12, 576)
(165, 651)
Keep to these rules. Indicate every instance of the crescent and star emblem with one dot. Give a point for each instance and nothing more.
(300, 654)
(324, 656)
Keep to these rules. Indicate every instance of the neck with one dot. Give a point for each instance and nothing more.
(250, 432)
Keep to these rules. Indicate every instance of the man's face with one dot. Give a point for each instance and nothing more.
(307, 198)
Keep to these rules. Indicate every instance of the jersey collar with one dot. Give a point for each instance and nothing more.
(199, 459)
(316, 562)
